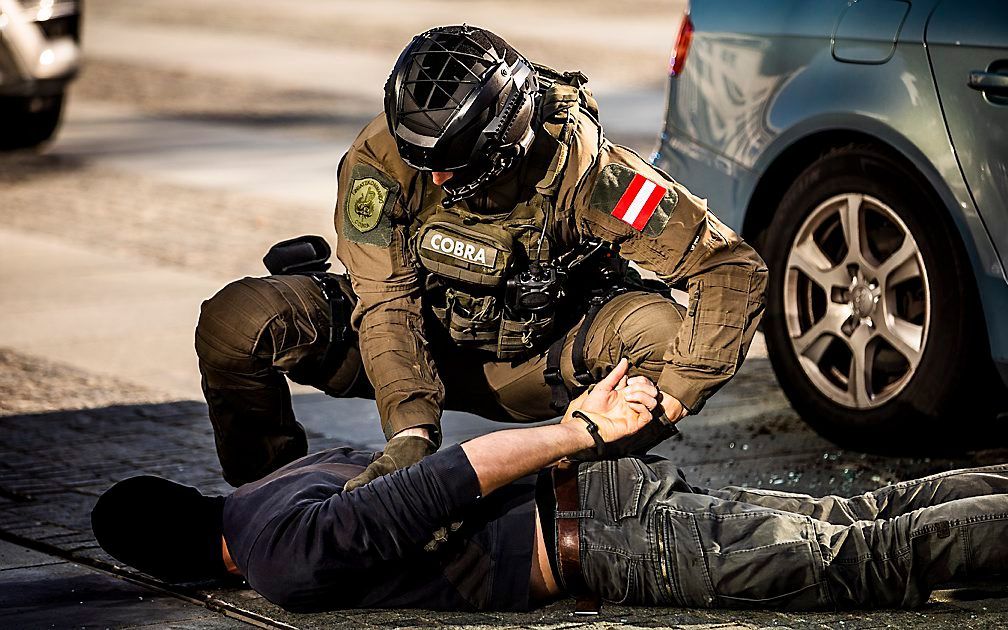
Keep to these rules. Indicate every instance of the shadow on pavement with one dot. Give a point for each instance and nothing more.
(54, 465)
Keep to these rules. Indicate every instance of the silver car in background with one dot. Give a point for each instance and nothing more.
(862, 146)
(39, 55)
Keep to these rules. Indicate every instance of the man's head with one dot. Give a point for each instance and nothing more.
(460, 100)
(163, 528)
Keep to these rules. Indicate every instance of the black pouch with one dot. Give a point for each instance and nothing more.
(303, 254)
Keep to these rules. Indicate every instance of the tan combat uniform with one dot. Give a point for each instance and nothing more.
(572, 180)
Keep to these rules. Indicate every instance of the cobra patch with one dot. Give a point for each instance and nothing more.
(634, 199)
(455, 247)
(366, 206)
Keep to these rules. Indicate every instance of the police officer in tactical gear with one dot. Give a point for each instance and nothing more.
(486, 225)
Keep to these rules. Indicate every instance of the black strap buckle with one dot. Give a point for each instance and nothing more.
(552, 376)
(339, 316)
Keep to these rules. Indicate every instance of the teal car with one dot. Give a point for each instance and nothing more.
(862, 147)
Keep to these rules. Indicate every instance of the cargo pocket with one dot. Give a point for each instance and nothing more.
(762, 558)
(624, 482)
(681, 569)
(719, 306)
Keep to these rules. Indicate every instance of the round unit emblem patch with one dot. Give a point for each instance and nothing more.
(364, 206)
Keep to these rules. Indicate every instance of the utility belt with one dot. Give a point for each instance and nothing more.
(481, 322)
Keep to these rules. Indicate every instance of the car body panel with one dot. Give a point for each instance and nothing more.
(965, 36)
(749, 93)
(867, 31)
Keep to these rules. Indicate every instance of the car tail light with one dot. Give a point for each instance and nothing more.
(682, 45)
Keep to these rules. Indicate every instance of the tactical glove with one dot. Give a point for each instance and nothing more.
(400, 452)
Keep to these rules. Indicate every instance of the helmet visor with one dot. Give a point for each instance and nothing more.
(446, 154)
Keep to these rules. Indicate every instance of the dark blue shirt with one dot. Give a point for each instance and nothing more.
(305, 544)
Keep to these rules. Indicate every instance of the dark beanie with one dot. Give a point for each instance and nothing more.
(163, 528)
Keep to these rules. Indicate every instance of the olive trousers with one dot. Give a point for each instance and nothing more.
(648, 537)
(257, 332)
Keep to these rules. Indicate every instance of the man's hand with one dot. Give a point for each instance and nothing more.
(674, 410)
(618, 405)
(502, 457)
(404, 449)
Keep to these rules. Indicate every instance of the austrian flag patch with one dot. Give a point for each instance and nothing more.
(639, 201)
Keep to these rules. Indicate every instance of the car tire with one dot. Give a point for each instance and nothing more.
(28, 122)
(874, 345)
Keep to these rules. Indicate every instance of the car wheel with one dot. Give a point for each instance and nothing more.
(871, 322)
(28, 122)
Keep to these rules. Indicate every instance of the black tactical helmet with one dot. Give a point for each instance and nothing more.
(461, 99)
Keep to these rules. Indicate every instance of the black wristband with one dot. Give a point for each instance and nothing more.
(593, 430)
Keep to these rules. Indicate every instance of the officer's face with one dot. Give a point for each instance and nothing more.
(440, 177)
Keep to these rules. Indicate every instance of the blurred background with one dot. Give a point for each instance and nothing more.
(199, 133)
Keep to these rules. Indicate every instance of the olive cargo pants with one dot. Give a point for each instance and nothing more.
(255, 331)
(648, 537)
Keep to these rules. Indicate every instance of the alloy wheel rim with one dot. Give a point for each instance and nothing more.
(857, 302)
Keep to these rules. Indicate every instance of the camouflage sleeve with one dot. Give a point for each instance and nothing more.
(372, 228)
(662, 227)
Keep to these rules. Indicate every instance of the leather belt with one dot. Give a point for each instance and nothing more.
(568, 517)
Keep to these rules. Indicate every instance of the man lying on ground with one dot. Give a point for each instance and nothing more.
(489, 525)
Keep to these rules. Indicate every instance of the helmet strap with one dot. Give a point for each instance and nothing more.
(455, 195)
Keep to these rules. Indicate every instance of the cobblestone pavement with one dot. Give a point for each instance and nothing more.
(54, 464)
(40, 590)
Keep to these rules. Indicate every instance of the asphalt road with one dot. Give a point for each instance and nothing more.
(197, 136)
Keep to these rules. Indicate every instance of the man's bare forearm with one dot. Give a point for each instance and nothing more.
(616, 408)
(501, 457)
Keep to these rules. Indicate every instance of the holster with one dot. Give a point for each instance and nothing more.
(304, 254)
(309, 255)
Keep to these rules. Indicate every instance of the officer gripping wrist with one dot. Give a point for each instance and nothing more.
(487, 227)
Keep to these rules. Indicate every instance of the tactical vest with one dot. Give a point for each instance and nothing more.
(473, 259)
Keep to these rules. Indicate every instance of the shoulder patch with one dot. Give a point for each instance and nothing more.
(366, 207)
(642, 203)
